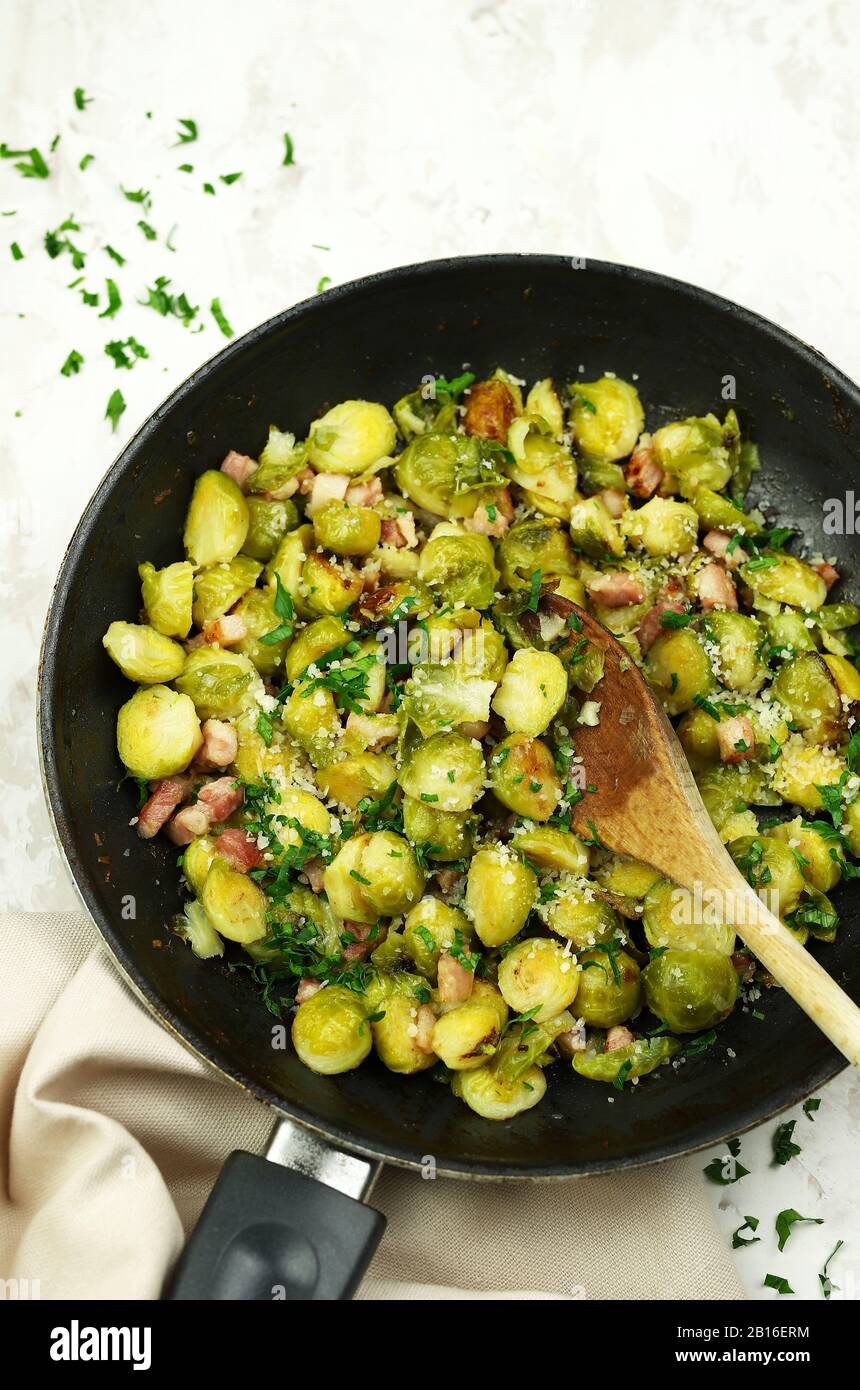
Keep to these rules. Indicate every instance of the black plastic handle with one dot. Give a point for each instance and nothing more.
(269, 1233)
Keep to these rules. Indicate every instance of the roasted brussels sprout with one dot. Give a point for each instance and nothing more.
(459, 565)
(447, 771)
(802, 769)
(196, 859)
(349, 780)
(288, 562)
(221, 683)
(468, 1035)
(373, 875)
(157, 732)
(217, 520)
(784, 579)
(268, 523)
(351, 437)
(575, 912)
(217, 589)
(443, 835)
(282, 458)
(310, 717)
(627, 881)
(532, 691)
(609, 987)
(346, 529)
(142, 654)
(788, 634)
(661, 527)
(636, 1059)
(330, 1031)
(493, 1098)
(693, 453)
(523, 777)
(432, 927)
(167, 596)
(719, 513)
(532, 546)
(500, 894)
(550, 848)
(846, 676)
(816, 854)
(538, 976)
(739, 639)
(441, 697)
(328, 587)
(769, 864)
(234, 904)
(690, 990)
(806, 688)
(606, 417)
(395, 1033)
(672, 917)
(679, 669)
(258, 613)
(594, 530)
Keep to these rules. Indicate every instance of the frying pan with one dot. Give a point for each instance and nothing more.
(271, 1223)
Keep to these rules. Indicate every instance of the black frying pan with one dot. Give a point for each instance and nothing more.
(536, 315)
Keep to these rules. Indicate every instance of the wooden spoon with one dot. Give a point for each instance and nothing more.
(645, 804)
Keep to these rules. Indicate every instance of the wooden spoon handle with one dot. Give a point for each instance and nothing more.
(797, 971)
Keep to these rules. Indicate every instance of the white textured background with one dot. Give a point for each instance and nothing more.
(715, 142)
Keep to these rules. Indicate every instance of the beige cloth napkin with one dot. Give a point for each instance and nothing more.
(112, 1135)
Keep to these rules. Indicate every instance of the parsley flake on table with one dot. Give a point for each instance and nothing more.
(739, 1240)
(138, 195)
(776, 1281)
(31, 164)
(17, 253)
(86, 161)
(72, 364)
(789, 1218)
(220, 318)
(187, 133)
(230, 178)
(289, 151)
(82, 101)
(148, 230)
(784, 1148)
(810, 1106)
(827, 1285)
(114, 303)
(124, 352)
(115, 408)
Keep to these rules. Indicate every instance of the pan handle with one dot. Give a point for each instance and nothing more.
(292, 1225)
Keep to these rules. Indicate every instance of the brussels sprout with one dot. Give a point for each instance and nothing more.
(728, 789)
(690, 990)
(851, 824)
(351, 437)
(594, 530)
(788, 634)
(407, 598)
(832, 617)
(394, 1036)
(467, 1036)
(281, 760)
(627, 881)
(769, 864)
(347, 530)
(806, 688)
(530, 546)
(549, 848)
(217, 589)
(257, 611)
(157, 732)
(221, 683)
(167, 596)
(217, 520)
(330, 1031)
(328, 587)
(440, 697)
(447, 771)
(428, 469)
(282, 458)
(537, 975)
(296, 811)
(596, 475)
(670, 918)
(678, 668)
(609, 987)
(819, 866)
(802, 768)
(469, 640)
(500, 894)
(142, 654)
(485, 1092)
(543, 400)
(460, 566)
(693, 453)
(523, 777)
(784, 579)
(320, 637)
(234, 904)
(551, 491)
(532, 691)
(739, 638)
(637, 1058)
(287, 564)
(358, 776)
(443, 835)
(268, 523)
(193, 926)
(415, 413)
(431, 928)
(606, 417)
(697, 735)
(310, 717)
(846, 676)
(661, 527)
(373, 875)
(576, 913)
(536, 448)
(196, 860)
(719, 513)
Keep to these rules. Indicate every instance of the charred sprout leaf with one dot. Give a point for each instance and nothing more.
(776, 1281)
(827, 1285)
(750, 1223)
(787, 1219)
(784, 1148)
(115, 408)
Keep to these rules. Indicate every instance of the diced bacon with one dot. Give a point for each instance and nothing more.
(400, 531)
(455, 981)
(492, 518)
(715, 588)
(314, 872)
(366, 938)
(425, 1022)
(669, 600)
(169, 793)
(365, 494)
(224, 631)
(303, 479)
(447, 878)
(614, 501)
(306, 479)
(372, 731)
(618, 590)
(573, 1040)
(219, 747)
(732, 732)
(490, 409)
(616, 1037)
(307, 988)
(239, 467)
(327, 487)
(239, 849)
(220, 798)
(643, 473)
(717, 543)
(828, 573)
(187, 824)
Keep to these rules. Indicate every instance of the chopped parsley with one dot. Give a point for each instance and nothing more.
(220, 318)
(30, 163)
(289, 151)
(789, 1218)
(81, 99)
(187, 132)
(17, 253)
(115, 408)
(534, 591)
(72, 364)
(285, 609)
(776, 1281)
(810, 1106)
(739, 1240)
(114, 303)
(827, 1285)
(784, 1148)
(125, 352)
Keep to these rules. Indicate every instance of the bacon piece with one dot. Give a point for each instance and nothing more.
(188, 824)
(618, 590)
(669, 600)
(219, 747)
(424, 1025)
(573, 1040)
(715, 588)
(303, 479)
(325, 488)
(314, 872)
(828, 573)
(169, 793)
(616, 1037)
(220, 798)
(717, 544)
(490, 408)
(447, 878)
(224, 631)
(365, 494)
(643, 473)
(455, 981)
(400, 531)
(239, 849)
(614, 501)
(366, 938)
(239, 467)
(731, 732)
(307, 988)
(502, 509)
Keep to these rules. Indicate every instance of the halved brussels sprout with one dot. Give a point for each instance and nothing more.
(268, 523)
(320, 637)
(441, 697)
(217, 589)
(787, 634)
(550, 848)
(575, 912)
(287, 564)
(672, 916)
(493, 1098)
(537, 975)
(552, 491)
(443, 835)
(431, 928)
(523, 777)
(740, 639)
(282, 458)
(606, 417)
(258, 613)
(330, 1031)
(768, 864)
(167, 596)
(690, 990)
(784, 579)
(221, 683)
(217, 520)
(427, 470)
(394, 1035)
(719, 513)
(678, 668)
(661, 527)
(802, 768)
(594, 530)
(609, 987)
(196, 859)
(500, 894)
(447, 771)
(697, 735)
(536, 448)
(466, 1037)
(806, 688)
(728, 789)
(627, 880)
(310, 717)
(234, 904)
(543, 400)
(157, 732)
(294, 811)
(142, 654)
(846, 676)
(351, 437)
(816, 860)
(637, 1058)
(346, 529)
(532, 691)
(693, 453)
(418, 412)
(357, 776)
(328, 587)
(373, 875)
(459, 565)
(529, 546)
